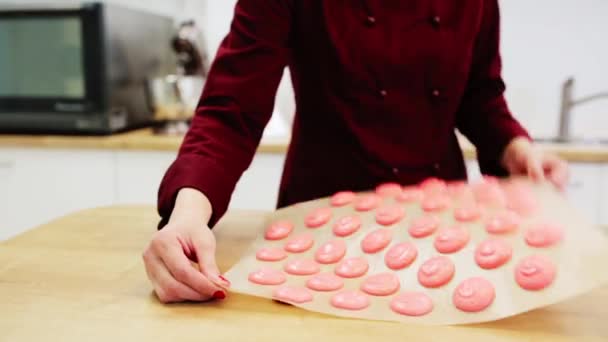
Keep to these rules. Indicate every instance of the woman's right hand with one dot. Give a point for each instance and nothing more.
(172, 251)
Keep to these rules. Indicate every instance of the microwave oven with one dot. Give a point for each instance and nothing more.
(80, 69)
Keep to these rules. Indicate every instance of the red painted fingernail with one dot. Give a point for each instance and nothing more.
(224, 279)
(219, 295)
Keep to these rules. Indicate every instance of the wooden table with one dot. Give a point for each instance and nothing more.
(80, 278)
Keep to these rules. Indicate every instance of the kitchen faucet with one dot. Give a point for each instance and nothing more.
(568, 102)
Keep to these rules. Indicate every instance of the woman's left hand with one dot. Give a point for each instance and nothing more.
(523, 158)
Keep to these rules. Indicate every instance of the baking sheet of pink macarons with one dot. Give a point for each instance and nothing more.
(435, 253)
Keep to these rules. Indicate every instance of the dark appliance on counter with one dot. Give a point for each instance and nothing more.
(81, 69)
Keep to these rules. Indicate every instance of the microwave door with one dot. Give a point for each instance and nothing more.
(50, 68)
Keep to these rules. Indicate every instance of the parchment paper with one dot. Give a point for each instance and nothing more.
(580, 258)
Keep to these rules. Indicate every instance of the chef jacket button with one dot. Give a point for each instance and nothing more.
(436, 166)
(370, 20)
(435, 93)
(395, 171)
(382, 93)
(436, 20)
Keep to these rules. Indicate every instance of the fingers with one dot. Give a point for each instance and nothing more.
(173, 276)
(178, 267)
(541, 166)
(166, 287)
(534, 168)
(522, 158)
(556, 170)
(204, 247)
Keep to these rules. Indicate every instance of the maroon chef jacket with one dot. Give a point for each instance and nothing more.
(380, 88)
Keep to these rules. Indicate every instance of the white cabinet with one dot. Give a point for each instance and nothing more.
(584, 191)
(138, 175)
(43, 184)
(38, 185)
(604, 196)
(7, 178)
(258, 188)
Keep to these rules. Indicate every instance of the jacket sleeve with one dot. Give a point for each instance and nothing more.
(234, 108)
(484, 116)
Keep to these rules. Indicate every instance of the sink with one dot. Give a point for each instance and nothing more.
(573, 141)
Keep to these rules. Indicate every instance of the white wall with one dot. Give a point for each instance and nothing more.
(546, 41)
(543, 42)
(219, 15)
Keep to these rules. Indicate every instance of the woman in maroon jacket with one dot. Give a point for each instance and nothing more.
(380, 87)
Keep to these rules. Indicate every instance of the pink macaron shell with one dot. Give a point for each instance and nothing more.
(434, 203)
(503, 222)
(331, 252)
(347, 225)
(468, 212)
(412, 303)
(521, 198)
(278, 230)
(433, 186)
(300, 243)
(458, 189)
(535, 273)
(389, 214)
(367, 202)
(318, 217)
(436, 272)
(388, 189)
(352, 267)
(401, 255)
(424, 226)
(350, 300)
(473, 295)
(451, 239)
(270, 254)
(267, 276)
(489, 193)
(410, 194)
(301, 267)
(490, 179)
(342, 198)
(381, 284)
(493, 253)
(292, 294)
(325, 282)
(544, 234)
(376, 240)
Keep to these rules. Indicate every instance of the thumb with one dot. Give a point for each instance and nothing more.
(535, 169)
(204, 245)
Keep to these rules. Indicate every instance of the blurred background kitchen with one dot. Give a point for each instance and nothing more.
(80, 136)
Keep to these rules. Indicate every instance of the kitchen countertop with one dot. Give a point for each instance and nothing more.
(141, 139)
(80, 278)
(145, 140)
